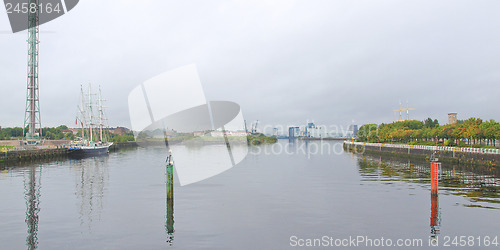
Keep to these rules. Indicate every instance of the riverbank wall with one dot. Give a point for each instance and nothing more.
(55, 149)
(454, 155)
(31, 154)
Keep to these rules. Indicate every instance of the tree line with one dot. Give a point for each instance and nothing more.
(58, 133)
(473, 131)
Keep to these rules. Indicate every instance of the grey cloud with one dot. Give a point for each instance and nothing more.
(282, 61)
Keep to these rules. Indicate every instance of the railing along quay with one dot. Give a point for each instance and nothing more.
(425, 147)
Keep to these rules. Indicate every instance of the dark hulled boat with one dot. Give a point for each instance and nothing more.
(91, 128)
(92, 149)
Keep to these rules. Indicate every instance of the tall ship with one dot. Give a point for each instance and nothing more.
(92, 138)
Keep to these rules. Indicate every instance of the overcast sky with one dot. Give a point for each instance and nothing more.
(284, 62)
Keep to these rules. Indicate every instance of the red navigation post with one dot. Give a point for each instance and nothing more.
(435, 170)
(434, 179)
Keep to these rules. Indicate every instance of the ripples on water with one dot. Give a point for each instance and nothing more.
(481, 186)
(120, 202)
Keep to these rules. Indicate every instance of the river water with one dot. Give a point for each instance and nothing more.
(279, 196)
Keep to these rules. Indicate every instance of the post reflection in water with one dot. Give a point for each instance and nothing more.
(435, 215)
(32, 197)
(169, 227)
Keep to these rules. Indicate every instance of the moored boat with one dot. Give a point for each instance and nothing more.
(91, 149)
(92, 127)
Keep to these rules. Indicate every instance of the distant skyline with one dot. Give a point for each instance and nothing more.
(285, 62)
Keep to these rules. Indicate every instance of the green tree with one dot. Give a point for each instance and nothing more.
(429, 123)
(69, 136)
(368, 132)
(490, 130)
(472, 131)
(62, 127)
(49, 135)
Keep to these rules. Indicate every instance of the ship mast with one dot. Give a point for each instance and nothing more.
(100, 113)
(82, 112)
(90, 113)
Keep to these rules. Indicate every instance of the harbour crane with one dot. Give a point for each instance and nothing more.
(254, 127)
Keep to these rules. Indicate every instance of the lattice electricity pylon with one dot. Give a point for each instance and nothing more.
(32, 121)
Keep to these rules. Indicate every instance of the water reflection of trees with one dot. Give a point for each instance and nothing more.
(481, 185)
(91, 178)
